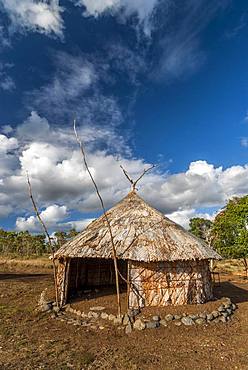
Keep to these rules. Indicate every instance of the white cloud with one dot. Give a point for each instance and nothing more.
(7, 144)
(51, 216)
(31, 15)
(33, 128)
(4, 41)
(77, 225)
(6, 82)
(58, 177)
(6, 129)
(142, 9)
(183, 216)
(244, 142)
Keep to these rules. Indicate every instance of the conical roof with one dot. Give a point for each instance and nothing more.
(140, 233)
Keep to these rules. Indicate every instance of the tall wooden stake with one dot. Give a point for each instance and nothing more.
(106, 218)
(48, 238)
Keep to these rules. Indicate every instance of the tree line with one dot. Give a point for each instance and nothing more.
(228, 232)
(25, 244)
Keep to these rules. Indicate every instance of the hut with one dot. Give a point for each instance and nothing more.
(163, 262)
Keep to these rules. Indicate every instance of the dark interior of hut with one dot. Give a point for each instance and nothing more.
(91, 277)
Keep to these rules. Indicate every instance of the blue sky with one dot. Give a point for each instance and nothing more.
(149, 81)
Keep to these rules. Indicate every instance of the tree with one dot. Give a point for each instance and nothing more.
(200, 227)
(22, 243)
(229, 233)
(61, 238)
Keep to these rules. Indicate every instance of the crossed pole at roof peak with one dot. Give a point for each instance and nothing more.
(134, 183)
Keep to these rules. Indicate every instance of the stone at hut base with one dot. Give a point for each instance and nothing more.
(117, 320)
(163, 322)
(223, 319)
(152, 324)
(93, 314)
(132, 312)
(221, 308)
(104, 316)
(111, 317)
(177, 317)
(210, 317)
(128, 328)
(193, 317)
(169, 317)
(46, 307)
(177, 323)
(97, 308)
(188, 321)
(216, 320)
(139, 325)
(156, 318)
(215, 314)
(126, 319)
(199, 321)
(227, 301)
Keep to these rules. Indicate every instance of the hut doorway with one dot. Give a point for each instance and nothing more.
(94, 274)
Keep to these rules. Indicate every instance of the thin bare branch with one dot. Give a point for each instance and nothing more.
(144, 172)
(126, 174)
(134, 183)
(47, 235)
(105, 215)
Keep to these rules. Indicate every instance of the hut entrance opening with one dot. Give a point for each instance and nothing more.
(89, 274)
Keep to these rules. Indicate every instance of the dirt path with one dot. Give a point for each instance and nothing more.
(30, 340)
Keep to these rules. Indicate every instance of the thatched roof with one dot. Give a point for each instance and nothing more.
(140, 233)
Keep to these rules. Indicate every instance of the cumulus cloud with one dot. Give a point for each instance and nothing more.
(142, 9)
(7, 144)
(183, 216)
(8, 158)
(37, 16)
(77, 225)
(51, 216)
(59, 178)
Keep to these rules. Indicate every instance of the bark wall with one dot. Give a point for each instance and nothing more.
(167, 283)
(62, 279)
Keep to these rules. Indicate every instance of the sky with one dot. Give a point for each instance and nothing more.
(160, 82)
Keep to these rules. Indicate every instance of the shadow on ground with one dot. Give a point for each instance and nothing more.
(14, 276)
(228, 289)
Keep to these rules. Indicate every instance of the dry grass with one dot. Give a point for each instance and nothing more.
(230, 266)
(12, 263)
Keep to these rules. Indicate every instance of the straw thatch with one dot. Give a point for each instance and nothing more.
(141, 233)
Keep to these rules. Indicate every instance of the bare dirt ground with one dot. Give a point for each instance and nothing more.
(32, 340)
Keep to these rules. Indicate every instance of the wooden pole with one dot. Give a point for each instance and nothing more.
(106, 218)
(128, 283)
(48, 237)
